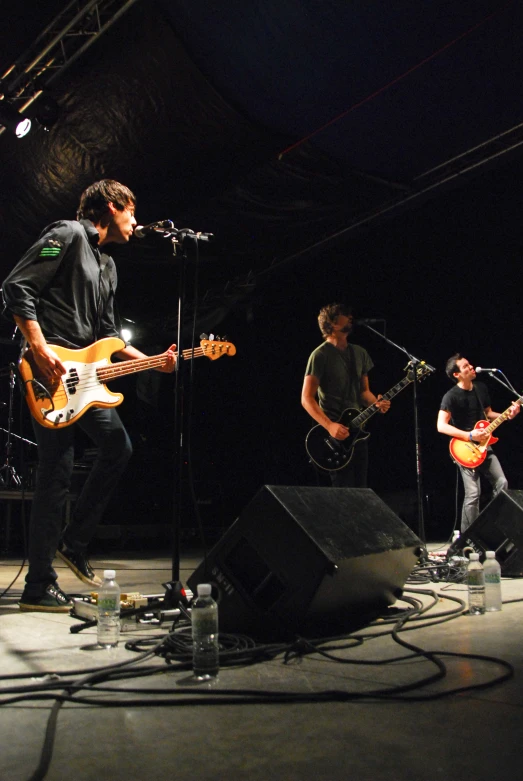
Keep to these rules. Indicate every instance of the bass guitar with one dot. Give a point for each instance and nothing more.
(471, 454)
(333, 454)
(59, 403)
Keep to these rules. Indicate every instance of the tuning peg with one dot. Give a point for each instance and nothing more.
(204, 336)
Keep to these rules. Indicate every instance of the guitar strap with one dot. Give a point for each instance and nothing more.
(349, 362)
(352, 368)
(482, 410)
(480, 403)
(103, 260)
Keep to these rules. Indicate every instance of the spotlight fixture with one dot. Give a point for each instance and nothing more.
(47, 111)
(13, 121)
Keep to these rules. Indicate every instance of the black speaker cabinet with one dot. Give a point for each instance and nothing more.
(308, 559)
(499, 527)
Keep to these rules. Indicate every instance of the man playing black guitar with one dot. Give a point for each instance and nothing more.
(336, 378)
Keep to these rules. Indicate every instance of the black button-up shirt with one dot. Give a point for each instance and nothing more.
(65, 283)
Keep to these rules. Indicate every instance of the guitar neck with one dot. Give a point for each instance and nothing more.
(500, 418)
(360, 419)
(114, 370)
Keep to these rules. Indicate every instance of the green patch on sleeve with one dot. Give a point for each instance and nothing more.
(51, 249)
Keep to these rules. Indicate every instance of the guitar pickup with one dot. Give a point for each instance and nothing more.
(72, 381)
(330, 442)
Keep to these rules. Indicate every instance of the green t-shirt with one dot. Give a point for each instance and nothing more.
(339, 380)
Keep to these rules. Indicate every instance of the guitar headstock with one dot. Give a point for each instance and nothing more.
(422, 370)
(213, 349)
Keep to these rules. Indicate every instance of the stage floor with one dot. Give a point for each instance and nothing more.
(305, 717)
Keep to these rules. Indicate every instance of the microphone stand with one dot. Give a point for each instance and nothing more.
(414, 363)
(179, 239)
(8, 475)
(505, 382)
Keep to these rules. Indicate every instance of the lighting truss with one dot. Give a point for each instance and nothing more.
(57, 47)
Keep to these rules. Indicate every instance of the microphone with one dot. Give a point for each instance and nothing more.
(369, 320)
(479, 369)
(141, 231)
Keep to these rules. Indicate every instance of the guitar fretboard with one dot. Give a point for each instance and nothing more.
(107, 373)
(360, 419)
(501, 418)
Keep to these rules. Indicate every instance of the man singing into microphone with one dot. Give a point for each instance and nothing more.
(62, 292)
(337, 377)
(461, 408)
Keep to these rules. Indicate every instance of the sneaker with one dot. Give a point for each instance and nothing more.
(79, 565)
(53, 601)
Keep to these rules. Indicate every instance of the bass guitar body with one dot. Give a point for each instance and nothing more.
(58, 403)
(471, 454)
(333, 454)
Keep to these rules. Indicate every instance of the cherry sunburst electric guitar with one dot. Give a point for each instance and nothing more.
(59, 403)
(333, 454)
(472, 454)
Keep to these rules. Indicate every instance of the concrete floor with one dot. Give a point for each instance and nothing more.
(467, 735)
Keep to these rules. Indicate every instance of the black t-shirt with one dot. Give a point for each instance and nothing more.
(466, 407)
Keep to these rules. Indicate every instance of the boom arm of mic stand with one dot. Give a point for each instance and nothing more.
(506, 384)
(182, 233)
(399, 347)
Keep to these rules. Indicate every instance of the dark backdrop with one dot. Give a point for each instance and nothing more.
(190, 106)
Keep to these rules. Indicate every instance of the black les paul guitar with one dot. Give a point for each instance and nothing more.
(334, 454)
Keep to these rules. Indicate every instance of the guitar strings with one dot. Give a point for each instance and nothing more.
(112, 371)
(93, 380)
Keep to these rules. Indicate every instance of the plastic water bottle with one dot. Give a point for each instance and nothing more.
(492, 572)
(455, 535)
(109, 610)
(204, 620)
(476, 585)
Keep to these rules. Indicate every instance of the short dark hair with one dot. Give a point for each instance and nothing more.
(452, 366)
(95, 199)
(328, 314)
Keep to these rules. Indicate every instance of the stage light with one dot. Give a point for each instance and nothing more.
(126, 334)
(13, 121)
(47, 111)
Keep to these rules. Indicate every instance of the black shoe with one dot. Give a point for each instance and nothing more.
(52, 601)
(79, 565)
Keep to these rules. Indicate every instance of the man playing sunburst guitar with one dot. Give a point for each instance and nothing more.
(62, 293)
(336, 378)
(464, 414)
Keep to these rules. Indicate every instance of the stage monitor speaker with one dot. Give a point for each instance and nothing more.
(310, 560)
(499, 527)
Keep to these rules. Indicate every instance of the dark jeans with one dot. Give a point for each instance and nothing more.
(53, 478)
(354, 475)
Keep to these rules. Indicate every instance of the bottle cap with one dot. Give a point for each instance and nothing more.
(109, 574)
(204, 589)
(490, 554)
(474, 557)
